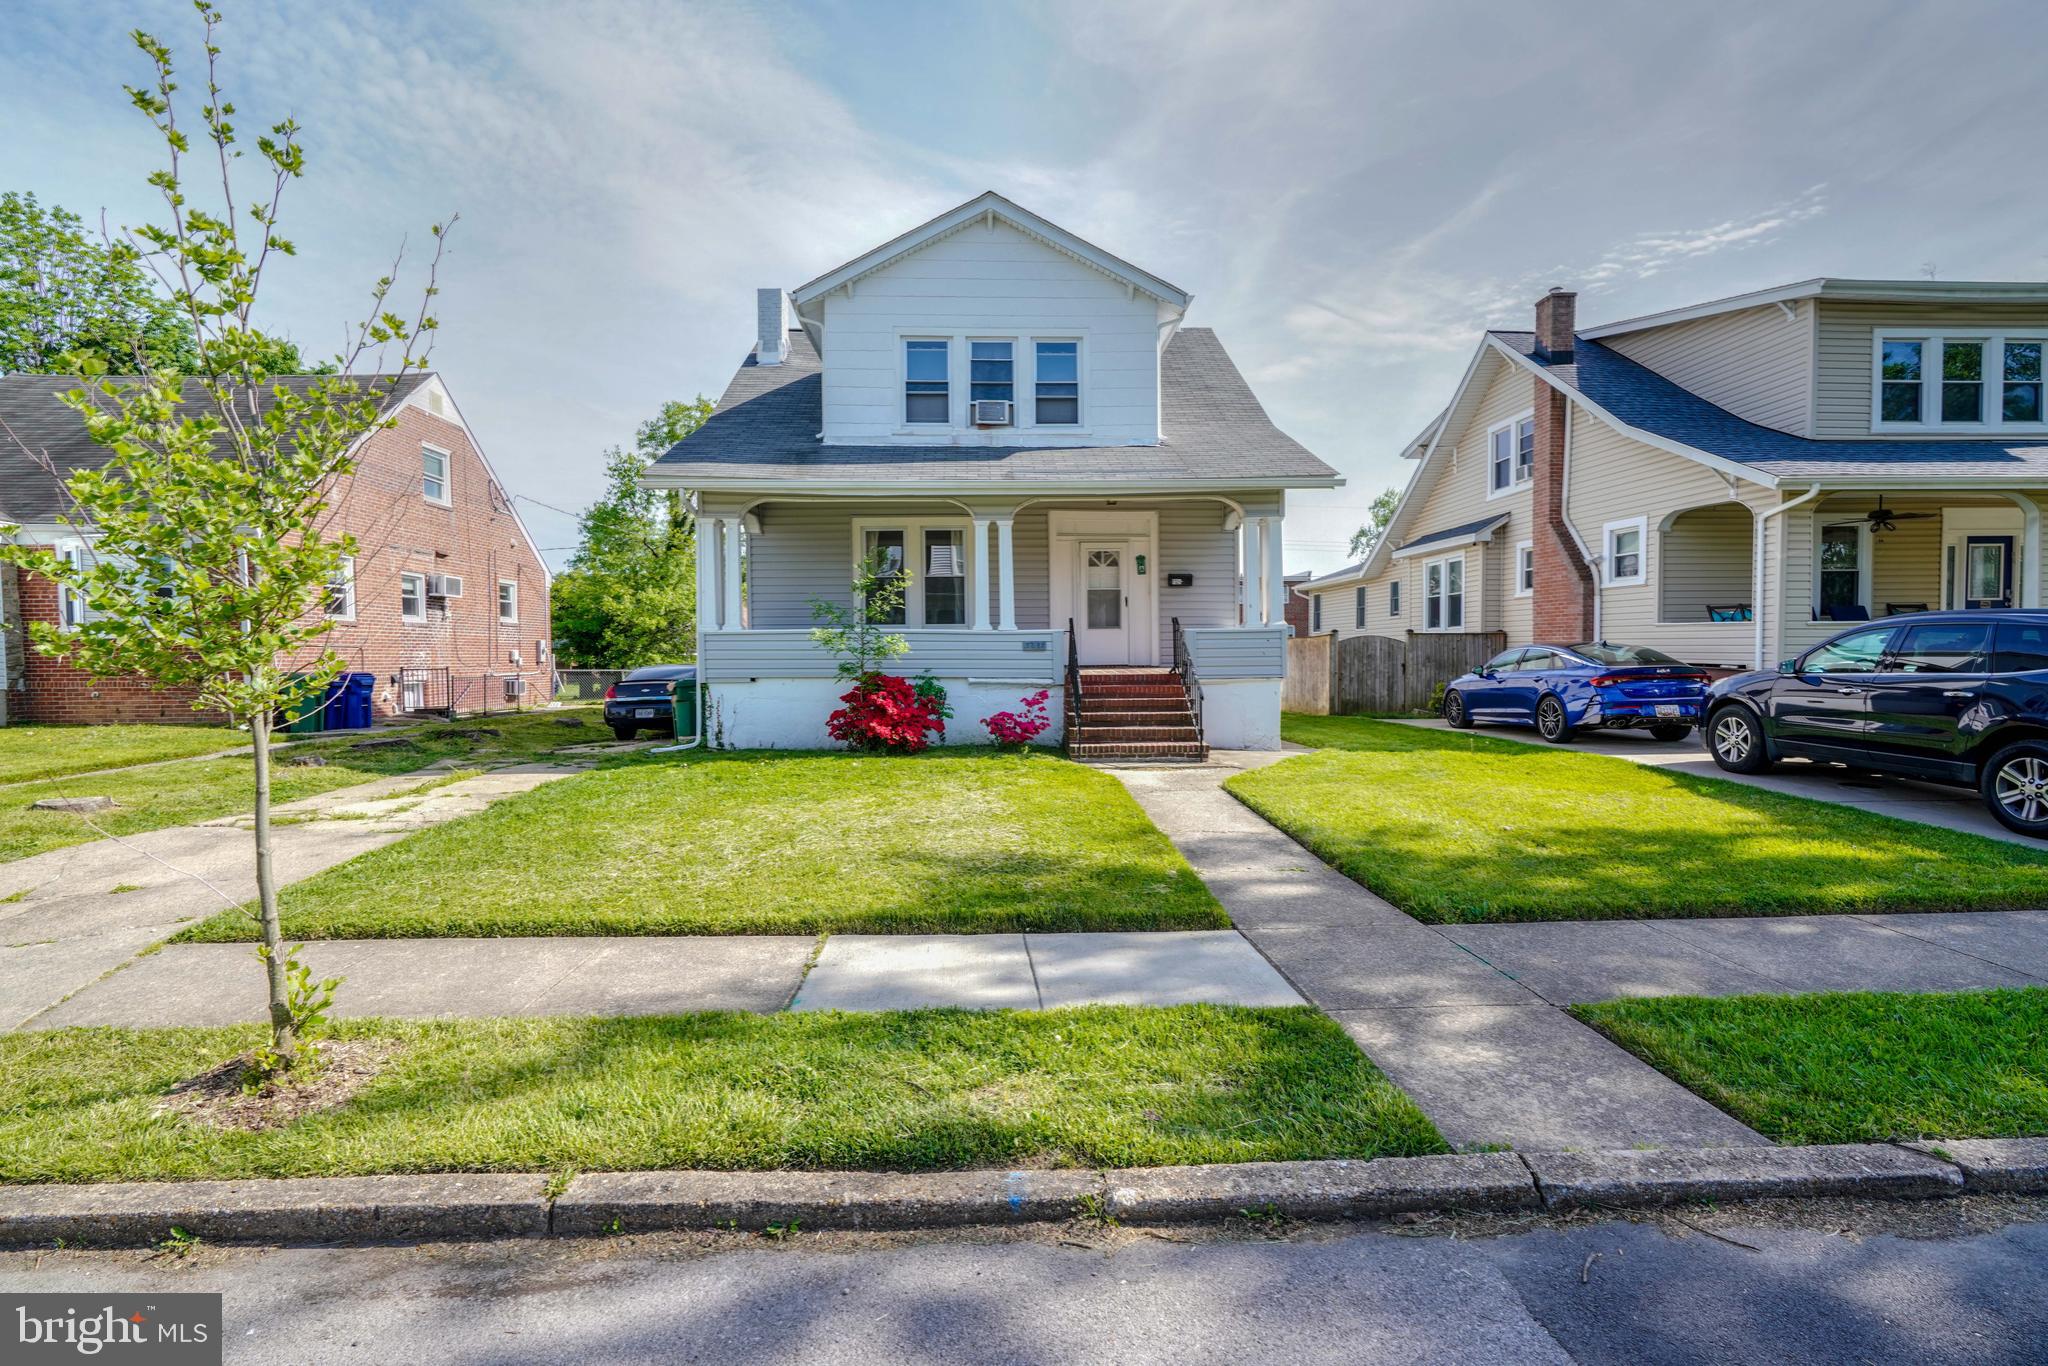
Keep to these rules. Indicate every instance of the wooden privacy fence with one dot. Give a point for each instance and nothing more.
(1327, 676)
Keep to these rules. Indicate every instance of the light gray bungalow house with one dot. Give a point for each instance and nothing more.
(1086, 494)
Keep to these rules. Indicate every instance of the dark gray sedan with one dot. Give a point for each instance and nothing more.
(645, 699)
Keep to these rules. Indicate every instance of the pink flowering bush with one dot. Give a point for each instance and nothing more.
(1015, 729)
(886, 714)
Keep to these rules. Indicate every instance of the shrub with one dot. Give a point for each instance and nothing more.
(885, 714)
(1019, 728)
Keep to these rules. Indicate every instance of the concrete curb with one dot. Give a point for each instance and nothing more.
(475, 1206)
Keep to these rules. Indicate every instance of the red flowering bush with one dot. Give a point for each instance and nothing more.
(1009, 728)
(885, 713)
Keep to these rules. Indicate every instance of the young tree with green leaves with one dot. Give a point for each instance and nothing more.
(1378, 516)
(207, 523)
(629, 596)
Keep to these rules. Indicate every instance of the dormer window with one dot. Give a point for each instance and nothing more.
(993, 373)
(926, 393)
(1961, 379)
(1057, 384)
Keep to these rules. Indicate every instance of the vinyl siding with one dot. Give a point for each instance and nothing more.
(1615, 478)
(992, 283)
(1260, 652)
(997, 656)
(1843, 395)
(1705, 561)
(1757, 363)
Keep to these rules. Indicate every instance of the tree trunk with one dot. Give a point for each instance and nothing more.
(283, 1035)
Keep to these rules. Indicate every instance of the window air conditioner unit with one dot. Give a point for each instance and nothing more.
(444, 585)
(991, 412)
(515, 688)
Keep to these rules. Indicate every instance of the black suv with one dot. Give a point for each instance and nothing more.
(1958, 697)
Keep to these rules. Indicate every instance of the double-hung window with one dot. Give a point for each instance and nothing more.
(1511, 454)
(508, 602)
(412, 597)
(1963, 379)
(1525, 569)
(991, 371)
(1358, 607)
(1841, 571)
(1394, 598)
(71, 608)
(339, 599)
(1056, 384)
(1315, 612)
(930, 561)
(926, 390)
(434, 474)
(1625, 563)
(1443, 594)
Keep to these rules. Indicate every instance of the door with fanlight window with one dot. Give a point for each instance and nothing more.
(1102, 607)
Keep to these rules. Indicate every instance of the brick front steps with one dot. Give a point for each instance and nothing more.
(1134, 714)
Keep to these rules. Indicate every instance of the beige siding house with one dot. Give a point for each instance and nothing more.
(1728, 482)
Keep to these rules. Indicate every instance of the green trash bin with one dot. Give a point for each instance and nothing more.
(306, 713)
(686, 705)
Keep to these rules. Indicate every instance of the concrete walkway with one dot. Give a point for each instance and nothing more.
(1489, 1060)
(1952, 808)
(71, 925)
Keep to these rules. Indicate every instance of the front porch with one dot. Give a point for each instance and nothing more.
(996, 598)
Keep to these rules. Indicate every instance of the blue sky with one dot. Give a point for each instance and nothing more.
(1351, 192)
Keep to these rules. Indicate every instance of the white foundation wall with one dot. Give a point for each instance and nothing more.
(1242, 715)
(790, 713)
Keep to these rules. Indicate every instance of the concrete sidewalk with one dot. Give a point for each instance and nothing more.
(71, 926)
(1489, 1060)
(1952, 808)
(218, 984)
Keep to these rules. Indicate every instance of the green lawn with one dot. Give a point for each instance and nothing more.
(205, 789)
(33, 751)
(771, 843)
(1457, 827)
(1099, 1085)
(1852, 1067)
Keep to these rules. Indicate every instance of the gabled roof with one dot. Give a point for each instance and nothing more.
(1831, 287)
(1645, 405)
(765, 431)
(989, 206)
(32, 416)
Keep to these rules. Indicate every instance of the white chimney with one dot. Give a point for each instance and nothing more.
(772, 343)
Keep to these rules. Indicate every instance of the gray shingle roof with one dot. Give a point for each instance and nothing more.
(1643, 398)
(766, 429)
(32, 417)
(1453, 533)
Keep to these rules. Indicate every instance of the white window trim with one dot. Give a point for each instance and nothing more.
(345, 572)
(1639, 525)
(410, 618)
(913, 529)
(1516, 480)
(447, 498)
(953, 409)
(1393, 598)
(1361, 607)
(1525, 548)
(1081, 385)
(1466, 596)
(504, 584)
(1864, 548)
(1023, 380)
(1993, 383)
(1315, 613)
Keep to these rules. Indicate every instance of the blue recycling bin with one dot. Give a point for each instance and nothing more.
(348, 701)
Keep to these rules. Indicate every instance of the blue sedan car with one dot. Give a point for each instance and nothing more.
(1562, 689)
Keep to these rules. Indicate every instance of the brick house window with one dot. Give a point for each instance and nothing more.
(339, 599)
(434, 474)
(412, 597)
(508, 602)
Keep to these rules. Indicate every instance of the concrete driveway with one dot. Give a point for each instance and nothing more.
(1953, 808)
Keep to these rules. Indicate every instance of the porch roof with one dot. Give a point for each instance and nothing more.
(765, 431)
(1463, 534)
(1640, 398)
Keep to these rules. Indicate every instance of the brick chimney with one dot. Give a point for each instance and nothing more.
(1563, 608)
(771, 345)
(1556, 319)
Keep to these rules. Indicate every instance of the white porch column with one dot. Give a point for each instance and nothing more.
(2030, 551)
(1276, 573)
(1254, 596)
(977, 581)
(729, 528)
(1006, 577)
(707, 574)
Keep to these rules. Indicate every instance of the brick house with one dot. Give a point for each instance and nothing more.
(446, 601)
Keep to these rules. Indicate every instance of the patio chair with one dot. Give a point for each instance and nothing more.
(1848, 611)
(1739, 611)
(1899, 609)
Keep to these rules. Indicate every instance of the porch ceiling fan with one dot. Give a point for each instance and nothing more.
(1881, 518)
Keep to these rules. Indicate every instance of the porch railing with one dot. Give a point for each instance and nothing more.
(1073, 679)
(1184, 665)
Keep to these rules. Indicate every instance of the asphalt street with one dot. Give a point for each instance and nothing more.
(1950, 1281)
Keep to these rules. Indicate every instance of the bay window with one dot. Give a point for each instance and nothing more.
(1959, 378)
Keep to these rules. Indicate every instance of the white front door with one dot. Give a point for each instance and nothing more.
(1102, 602)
